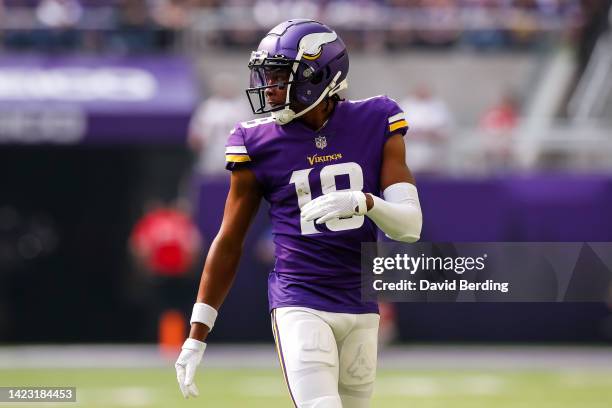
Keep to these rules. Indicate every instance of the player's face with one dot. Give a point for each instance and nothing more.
(268, 91)
(276, 95)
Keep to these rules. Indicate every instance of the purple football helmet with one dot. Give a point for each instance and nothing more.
(315, 59)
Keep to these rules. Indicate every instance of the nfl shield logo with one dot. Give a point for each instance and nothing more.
(321, 142)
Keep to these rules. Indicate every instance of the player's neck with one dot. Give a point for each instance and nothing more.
(318, 116)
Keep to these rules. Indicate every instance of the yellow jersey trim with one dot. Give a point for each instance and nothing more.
(397, 125)
(237, 158)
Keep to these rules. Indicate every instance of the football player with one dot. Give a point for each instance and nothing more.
(321, 163)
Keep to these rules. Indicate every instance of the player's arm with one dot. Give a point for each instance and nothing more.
(219, 271)
(222, 261)
(398, 213)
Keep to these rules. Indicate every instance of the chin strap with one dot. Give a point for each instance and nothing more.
(286, 115)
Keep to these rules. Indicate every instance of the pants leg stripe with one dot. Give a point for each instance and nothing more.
(279, 350)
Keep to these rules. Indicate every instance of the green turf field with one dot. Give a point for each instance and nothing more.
(265, 388)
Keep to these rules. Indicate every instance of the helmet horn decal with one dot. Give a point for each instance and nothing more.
(312, 44)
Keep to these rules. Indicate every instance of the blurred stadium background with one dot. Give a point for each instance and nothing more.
(113, 115)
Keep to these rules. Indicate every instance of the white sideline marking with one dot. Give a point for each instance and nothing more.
(483, 384)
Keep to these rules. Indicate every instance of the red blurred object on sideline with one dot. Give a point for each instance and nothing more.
(166, 241)
(501, 117)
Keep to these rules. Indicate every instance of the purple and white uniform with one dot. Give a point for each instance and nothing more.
(318, 266)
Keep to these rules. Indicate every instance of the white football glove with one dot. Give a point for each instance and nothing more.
(337, 204)
(187, 364)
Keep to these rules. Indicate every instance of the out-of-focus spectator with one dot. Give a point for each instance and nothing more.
(484, 28)
(59, 13)
(401, 32)
(498, 124)
(135, 30)
(171, 13)
(355, 20)
(59, 17)
(171, 16)
(429, 121)
(524, 24)
(442, 18)
(212, 122)
(268, 13)
(502, 116)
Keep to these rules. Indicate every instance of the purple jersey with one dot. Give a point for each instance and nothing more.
(318, 266)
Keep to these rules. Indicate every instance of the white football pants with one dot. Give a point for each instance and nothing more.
(328, 359)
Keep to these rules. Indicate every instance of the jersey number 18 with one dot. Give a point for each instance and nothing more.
(328, 184)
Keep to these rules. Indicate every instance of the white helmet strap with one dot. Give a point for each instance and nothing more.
(286, 115)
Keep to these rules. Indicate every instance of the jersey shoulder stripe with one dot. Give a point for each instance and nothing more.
(237, 158)
(397, 117)
(398, 125)
(236, 154)
(236, 150)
